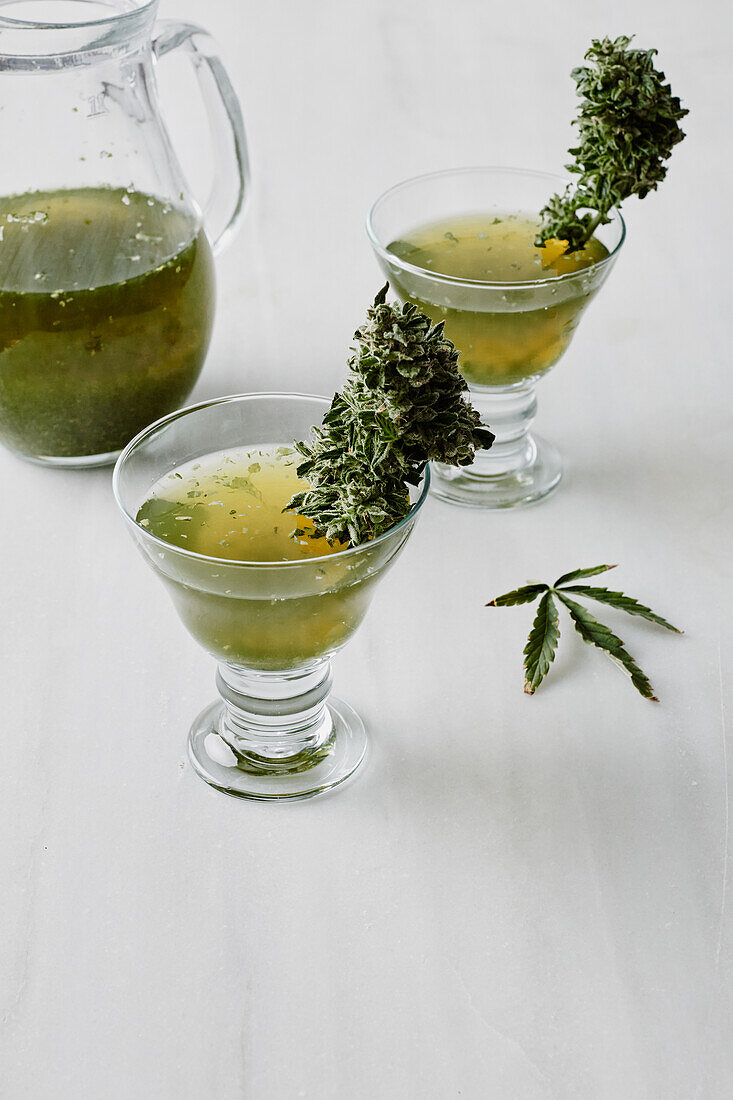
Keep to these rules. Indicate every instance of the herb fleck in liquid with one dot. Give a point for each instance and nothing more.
(502, 343)
(106, 307)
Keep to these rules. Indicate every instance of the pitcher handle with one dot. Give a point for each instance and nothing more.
(230, 189)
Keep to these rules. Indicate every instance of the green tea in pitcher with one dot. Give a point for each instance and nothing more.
(229, 506)
(106, 308)
(519, 331)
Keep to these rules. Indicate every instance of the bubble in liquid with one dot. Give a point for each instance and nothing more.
(34, 217)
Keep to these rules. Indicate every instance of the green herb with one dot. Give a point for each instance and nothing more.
(245, 484)
(401, 407)
(628, 123)
(539, 652)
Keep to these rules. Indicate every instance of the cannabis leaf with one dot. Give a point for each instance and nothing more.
(402, 406)
(539, 652)
(521, 595)
(628, 123)
(597, 634)
(622, 602)
(578, 574)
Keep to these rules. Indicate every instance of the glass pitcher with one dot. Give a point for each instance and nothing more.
(106, 271)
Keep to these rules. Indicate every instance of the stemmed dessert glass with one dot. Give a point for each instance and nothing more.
(276, 732)
(509, 334)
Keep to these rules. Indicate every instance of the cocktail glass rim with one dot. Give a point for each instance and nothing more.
(116, 16)
(339, 555)
(455, 280)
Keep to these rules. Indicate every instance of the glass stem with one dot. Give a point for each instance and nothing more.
(270, 719)
(509, 414)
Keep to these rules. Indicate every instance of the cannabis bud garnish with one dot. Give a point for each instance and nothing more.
(628, 123)
(539, 652)
(402, 406)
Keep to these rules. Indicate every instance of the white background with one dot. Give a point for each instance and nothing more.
(520, 898)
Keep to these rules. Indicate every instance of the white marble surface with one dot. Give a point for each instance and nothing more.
(520, 898)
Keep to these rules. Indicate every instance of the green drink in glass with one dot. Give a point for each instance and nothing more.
(460, 245)
(269, 604)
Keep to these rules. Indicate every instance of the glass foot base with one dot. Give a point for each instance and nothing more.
(82, 462)
(301, 776)
(475, 487)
